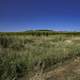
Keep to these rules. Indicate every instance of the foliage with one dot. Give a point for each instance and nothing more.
(22, 55)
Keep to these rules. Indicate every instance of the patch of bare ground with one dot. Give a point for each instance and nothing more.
(70, 71)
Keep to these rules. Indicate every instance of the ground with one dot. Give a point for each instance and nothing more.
(40, 57)
(69, 71)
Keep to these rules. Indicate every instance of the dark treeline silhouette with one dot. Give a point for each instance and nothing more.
(39, 33)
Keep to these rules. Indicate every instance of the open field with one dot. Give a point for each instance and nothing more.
(39, 57)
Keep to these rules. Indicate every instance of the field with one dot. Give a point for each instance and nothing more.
(26, 56)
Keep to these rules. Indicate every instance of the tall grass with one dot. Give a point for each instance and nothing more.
(26, 55)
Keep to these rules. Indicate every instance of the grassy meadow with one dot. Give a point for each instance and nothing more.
(30, 56)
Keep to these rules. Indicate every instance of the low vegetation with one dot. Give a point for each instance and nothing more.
(23, 56)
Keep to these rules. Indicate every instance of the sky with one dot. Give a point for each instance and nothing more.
(22, 15)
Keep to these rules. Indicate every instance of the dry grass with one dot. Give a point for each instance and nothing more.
(30, 56)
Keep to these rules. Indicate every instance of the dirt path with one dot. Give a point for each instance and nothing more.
(69, 71)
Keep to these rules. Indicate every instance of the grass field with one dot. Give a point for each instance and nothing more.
(39, 57)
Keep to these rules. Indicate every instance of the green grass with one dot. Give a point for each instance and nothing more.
(25, 55)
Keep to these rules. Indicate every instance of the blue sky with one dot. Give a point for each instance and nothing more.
(21, 15)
